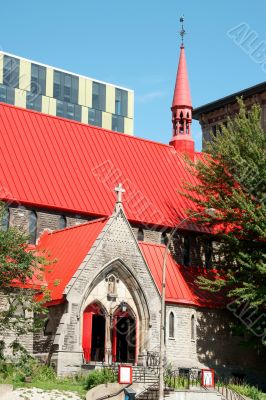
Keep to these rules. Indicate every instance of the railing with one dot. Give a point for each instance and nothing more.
(182, 378)
(223, 386)
(152, 361)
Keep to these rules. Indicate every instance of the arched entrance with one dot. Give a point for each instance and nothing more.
(93, 339)
(124, 348)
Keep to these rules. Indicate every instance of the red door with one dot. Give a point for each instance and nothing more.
(87, 336)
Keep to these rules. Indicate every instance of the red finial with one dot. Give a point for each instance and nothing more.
(182, 106)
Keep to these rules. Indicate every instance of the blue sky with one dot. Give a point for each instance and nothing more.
(136, 44)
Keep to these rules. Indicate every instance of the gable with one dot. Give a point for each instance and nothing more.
(65, 250)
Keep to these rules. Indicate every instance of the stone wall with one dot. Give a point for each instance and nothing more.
(215, 344)
(9, 336)
(220, 348)
(181, 348)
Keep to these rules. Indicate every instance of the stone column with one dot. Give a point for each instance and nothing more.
(108, 342)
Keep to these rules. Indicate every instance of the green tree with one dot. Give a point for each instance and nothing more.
(232, 180)
(18, 265)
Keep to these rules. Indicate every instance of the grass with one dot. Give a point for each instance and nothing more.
(249, 391)
(43, 377)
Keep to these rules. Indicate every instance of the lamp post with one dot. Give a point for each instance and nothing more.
(210, 211)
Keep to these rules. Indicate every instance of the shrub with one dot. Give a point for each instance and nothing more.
(98, 377)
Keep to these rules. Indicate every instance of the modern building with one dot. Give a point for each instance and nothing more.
(211, 115)
(53, 91)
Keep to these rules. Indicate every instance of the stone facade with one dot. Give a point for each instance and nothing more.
(115, 251)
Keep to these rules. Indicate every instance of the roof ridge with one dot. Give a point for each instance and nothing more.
(151, 243)
(78, 225)
(70, 121)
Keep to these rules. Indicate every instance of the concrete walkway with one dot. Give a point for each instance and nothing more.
(37, 394)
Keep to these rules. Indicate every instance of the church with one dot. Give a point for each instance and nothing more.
(101, 206)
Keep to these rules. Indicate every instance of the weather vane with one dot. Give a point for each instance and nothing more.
(182, 32)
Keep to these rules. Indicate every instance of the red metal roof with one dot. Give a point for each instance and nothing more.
(181, 286)
(182, 92)
(51, 162)
(66, 249)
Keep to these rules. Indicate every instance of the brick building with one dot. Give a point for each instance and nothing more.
(101, 205)
(211, 115)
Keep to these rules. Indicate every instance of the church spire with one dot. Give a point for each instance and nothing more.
(182, 105)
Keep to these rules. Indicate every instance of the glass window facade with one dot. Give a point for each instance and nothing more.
(95, 117)
(121, 99)
(33, 101)
(117, 123)
(66, 87)
(98, 96)
(7, 94)
(11, 71)
(38, 79)
(68, 110)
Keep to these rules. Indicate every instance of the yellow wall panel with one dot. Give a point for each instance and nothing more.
(20, 98)
(128, 126)
(49, 82)
(84, 115)
(88, 100)
(45, 104)
(107, 120)
(1, 67)
(130, 105)
(52, 106)
(82, 91)
(110, 99)
(25, 75)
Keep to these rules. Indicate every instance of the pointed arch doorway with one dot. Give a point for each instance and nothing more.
(124, 336)
(94, 328)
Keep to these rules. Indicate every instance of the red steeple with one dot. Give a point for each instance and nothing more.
(182, 107)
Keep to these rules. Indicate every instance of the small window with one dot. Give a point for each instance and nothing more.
(186, 251)
(38, 79)
(68, 110)
(32, 227)
(98, 96)
(7, 94)
(208, 253)
(95, 117)
(193, 335)
(140, 235)
(62, 222)
(33, 101)
(117, 123)
(66, 87)
(5, 219)
(164, 238)
(171, 325)
(121, 100)
(11, 71)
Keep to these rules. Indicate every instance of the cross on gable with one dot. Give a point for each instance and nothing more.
(119, 191)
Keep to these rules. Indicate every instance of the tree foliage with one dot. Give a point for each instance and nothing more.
(18, 266)
(232, 180)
